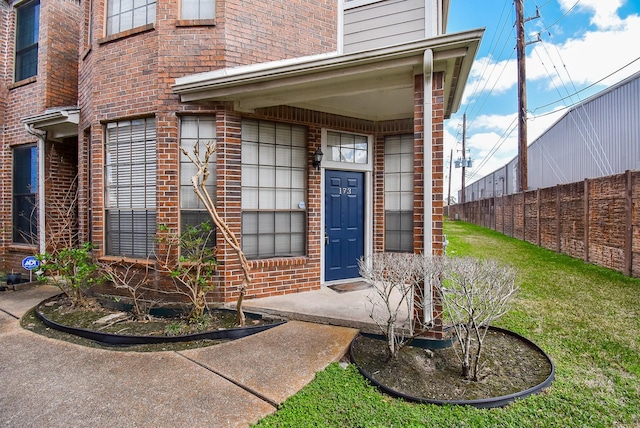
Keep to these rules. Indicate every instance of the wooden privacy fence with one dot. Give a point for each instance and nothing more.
(596, 220)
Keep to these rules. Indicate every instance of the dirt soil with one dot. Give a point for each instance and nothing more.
(59, 310)
(511, 366)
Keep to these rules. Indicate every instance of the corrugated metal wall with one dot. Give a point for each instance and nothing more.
(597, 138)
(383, 23)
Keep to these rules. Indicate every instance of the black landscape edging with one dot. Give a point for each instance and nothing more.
(118, 339)
(484, 403)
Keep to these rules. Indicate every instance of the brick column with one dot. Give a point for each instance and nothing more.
(437, 174)
(229, 192)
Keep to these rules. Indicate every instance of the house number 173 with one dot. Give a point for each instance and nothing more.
(345, 190)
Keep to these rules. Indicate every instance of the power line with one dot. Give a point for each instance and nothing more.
(584, 89)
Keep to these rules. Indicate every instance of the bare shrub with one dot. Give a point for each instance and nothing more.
(401, 305)
(132, 276)
(474, 294)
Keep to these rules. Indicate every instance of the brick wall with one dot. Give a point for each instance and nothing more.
(55, 85)
(130, 74)
(4, 58)
(59, 35)
(22, 99)
(267, 30)
(596, 220)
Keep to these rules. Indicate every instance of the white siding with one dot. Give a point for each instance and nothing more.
(383, 23)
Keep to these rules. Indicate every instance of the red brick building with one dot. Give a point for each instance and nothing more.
(117, 87)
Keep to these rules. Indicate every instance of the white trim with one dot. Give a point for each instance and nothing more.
(428, 148)
(431, 18)
(340, 35)
(367, 169)
(357, 3)
(428, 174)
(41, 136)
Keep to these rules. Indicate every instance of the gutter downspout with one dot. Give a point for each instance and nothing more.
(427, 122)
(41, 136)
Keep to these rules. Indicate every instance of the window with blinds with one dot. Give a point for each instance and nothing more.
(398, 193)
(130, 187)
(197, 9)
(274, 167)
(196, 131)
(124, 15)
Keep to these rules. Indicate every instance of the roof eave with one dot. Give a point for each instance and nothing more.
(453, 54)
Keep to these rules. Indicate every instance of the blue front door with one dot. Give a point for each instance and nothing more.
(344, 224)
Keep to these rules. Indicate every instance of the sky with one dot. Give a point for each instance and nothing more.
(586, 46)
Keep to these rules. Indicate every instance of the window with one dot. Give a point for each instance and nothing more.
(347, 148)
(197, 9)
(130, 189)
(25, 189)
(124, 15)
(398, 193)
(274, 166)
(194, 130)
(27, 30)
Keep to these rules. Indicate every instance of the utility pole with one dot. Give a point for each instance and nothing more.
(522, 99)
(464, 156)
(523, 169)
(450, 164)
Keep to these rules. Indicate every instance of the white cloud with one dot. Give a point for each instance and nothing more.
(585, 60)
(496, 122)
(489, 76)
(536, 126)
(605, 12)
(562, 67)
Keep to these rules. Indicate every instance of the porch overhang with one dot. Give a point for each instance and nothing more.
(373, 85)
(59, 123)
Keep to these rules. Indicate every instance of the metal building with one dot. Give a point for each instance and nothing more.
(598, 137)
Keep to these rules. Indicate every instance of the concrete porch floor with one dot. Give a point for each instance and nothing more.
(325, 306)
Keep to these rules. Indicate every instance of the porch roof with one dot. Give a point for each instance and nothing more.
(59, 123)
(376, 84)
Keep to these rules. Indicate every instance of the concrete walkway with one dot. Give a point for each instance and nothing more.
(50, 383)
(350, 309)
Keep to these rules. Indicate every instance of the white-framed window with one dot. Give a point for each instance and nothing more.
(124, 15)
(197, 9)
(27, 33)
(274, 169)
(130, 187)
(196, 131)
(398, 193)
(347, 148)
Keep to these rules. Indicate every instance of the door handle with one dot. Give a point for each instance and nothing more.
(326, 238)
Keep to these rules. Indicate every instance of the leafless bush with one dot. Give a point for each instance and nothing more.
(401, 306)
(475, 293)
(131, 276)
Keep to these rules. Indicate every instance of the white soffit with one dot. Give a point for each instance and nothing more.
(58, 123)
(374, 85)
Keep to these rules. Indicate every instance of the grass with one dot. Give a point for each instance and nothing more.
(585, 317)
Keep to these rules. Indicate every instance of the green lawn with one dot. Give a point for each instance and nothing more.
(586, 318)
